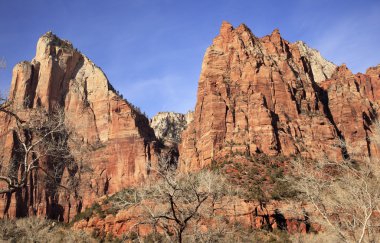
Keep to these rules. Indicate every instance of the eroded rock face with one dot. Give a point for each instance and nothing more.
(266, 95)
(59, 75)
(353, 104)
(251, 215)
(321, 68)
(168, 126)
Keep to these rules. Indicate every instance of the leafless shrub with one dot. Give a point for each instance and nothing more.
(346, 194)
(41, 135)
(177, 205)
(45, 150)
(327, 236)
(38, 230)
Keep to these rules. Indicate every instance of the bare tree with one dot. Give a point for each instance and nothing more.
(345, 194)
(38, 136)
(43, 150)
(179, 204)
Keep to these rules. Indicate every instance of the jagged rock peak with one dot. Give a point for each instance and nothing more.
(341, 71)
(373, 70)
(226, 27)
(49, 44)
(276, 32)
(276, 38)
(55, 40)
(322, 69)
(243, 27)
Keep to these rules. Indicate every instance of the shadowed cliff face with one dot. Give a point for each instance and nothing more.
(59, 75)
(266, 95)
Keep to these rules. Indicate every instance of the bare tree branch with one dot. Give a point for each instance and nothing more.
(346, 194)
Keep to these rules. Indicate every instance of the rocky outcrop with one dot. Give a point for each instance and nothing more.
(321, 68)
(353, 106)
(266, 95)
(289, 217)
(168, 126)
(121, 139)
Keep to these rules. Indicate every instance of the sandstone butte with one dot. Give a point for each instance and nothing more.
(267, 95)
(60, 75)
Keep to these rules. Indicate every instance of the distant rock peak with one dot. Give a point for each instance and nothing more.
(55, 40)
(226, 26)
(276, 33)
(168, 126)
(321, 68)
(342, 71)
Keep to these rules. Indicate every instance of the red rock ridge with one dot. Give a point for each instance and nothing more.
(260, 96)
(61, 75)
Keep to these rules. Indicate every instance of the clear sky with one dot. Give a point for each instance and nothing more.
(152, 50)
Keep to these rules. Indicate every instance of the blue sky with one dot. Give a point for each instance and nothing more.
(152, 50)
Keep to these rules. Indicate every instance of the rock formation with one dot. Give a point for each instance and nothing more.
(321, 68)
(266, 95)
(168, 126)
(353, 102)
(250, 215)
(255, 96)
(60, 75)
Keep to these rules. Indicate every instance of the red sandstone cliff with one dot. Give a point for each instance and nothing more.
(266, 95)
(61, 75)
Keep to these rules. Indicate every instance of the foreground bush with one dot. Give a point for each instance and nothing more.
(178, 204)
(346, 193)
(39, 230)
